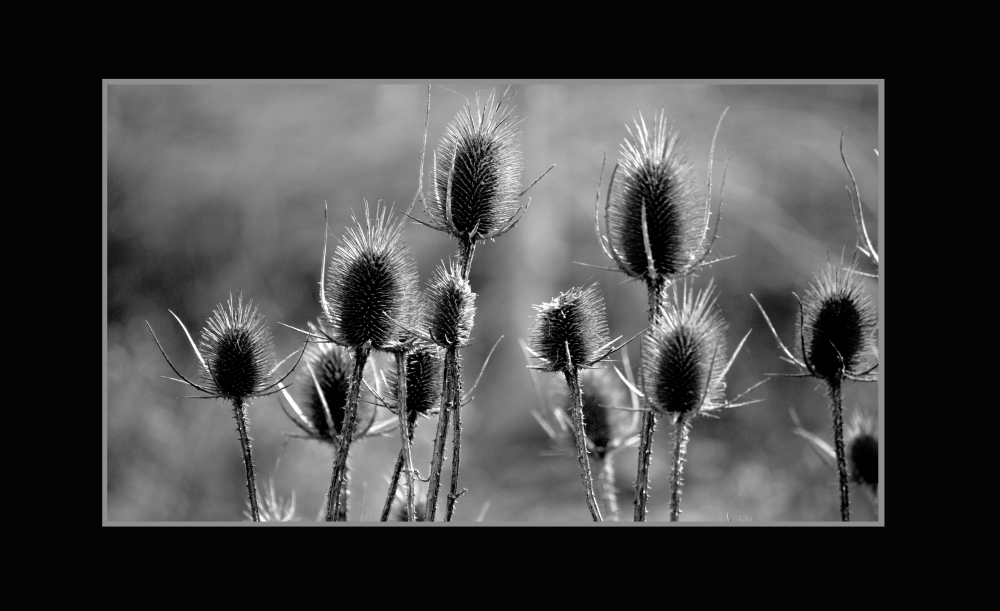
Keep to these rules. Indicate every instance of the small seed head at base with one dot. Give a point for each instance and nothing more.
(862, 452)
(685, 355)
(424, 380)
(606, 428)
(238, 350)
(449, 307)
(486, 180)
(398, 512)
(655, 203)
(371, 281)
(840, 321)
(576, 322)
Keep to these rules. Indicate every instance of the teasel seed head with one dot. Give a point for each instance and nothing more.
(326, 382)
(685, 354)
(862, 452)
(839, 324)
(424, 379)
(607, 429)
(449, 307)
(656, 221)
(371, 281)
(238, 351)
(571, 331)
(480, 156)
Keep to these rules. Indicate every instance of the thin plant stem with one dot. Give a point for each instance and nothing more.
(655, 288)
(681, 430)
(455, 405)
(347, 434)
(838, 439)
(239, 412)
(404, 431)
(606, 487)
(400, 461)
(466, 249)
(437, 459)
(573, 380)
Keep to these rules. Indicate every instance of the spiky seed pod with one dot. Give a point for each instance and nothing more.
(685, 356)
(655, 203)
(606, 428)
(449, 307)
(238, 350)
(332, 366)
(862, 452)
(571, 331)
(482, 146)
(399, 513)
(839, 323)
(424, 377)
(372, 280)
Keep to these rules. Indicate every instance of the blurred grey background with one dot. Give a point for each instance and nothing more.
(219, 188)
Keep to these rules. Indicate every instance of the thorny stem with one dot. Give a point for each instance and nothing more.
(606, 486)
(573, 380)
(437, 460)
(400, 460)
(466, 249)
(404, 431)
(838, 438)
(239, 412)
(350, 422)
(455, 405)
(681, 430)
(655, 287)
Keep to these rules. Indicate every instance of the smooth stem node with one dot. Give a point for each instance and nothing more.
(437, 459)
(573, 380)
(838, 439)
(350, 422)
(411, 422)
(239, 412)
(681, 430)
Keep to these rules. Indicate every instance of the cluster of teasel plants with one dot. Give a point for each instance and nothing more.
(658, 230)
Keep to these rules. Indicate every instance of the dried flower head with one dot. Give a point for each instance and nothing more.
(238, 351)
(862, 451)
(424, 378)
(372, 282)
(839, 323)
(571, 331)
(477, 172)
(450, 307)
(684, 364)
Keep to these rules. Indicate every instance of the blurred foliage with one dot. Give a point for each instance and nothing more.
(218, 188)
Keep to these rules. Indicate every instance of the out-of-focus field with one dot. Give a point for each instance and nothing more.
(219, 188)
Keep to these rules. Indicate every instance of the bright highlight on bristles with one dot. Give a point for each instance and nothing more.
(371, 281)
(238, 350)
(685, 355)
(450, 307)
(480, 159)
(839, 324)
(424, 379)
(656, 221)
(570, 331)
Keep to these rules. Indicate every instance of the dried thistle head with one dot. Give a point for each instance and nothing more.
(862, 451)
(371, 282)
(839, 325)
(477, 172)
(684, 363)
(449, 307)
(424, 380)
(238, 351)
(571, 331)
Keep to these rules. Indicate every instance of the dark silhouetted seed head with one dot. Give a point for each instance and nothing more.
(398, 512)
(371, 281)
(685, 355)
(449, 307)
(839, 324)
(606, 428)
(862, 452)
(482, 143)
(656, 184)
(424, 378)
(238, 350)
(570, 331)
(327, 377)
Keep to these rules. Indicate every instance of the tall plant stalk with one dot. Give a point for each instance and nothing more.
(411, 423)
(834, 386)
(606, 486)
(655, 288)
(350, 422)
(681, 431)
(573, 381)
(239, 412)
